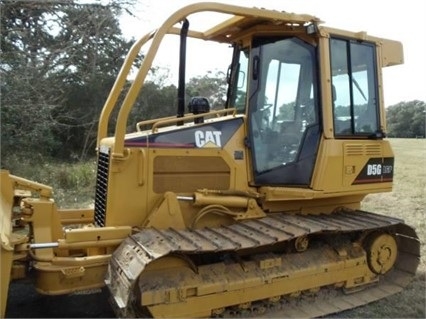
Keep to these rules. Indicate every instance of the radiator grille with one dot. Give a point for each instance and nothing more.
(101, 188)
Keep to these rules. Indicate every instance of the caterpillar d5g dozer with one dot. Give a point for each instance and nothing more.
(233, 211)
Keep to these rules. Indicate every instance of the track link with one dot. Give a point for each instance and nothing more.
(162, 290)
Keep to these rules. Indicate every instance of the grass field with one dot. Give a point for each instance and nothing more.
(407, 201)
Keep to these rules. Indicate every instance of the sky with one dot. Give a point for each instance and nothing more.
(382, 18)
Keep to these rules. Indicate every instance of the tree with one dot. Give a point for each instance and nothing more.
(154, 101)
(407, 119)
(59, 61)
(211, 86)
(27, 100)
(158, 99)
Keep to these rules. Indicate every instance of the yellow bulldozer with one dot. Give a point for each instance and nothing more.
(239, 210)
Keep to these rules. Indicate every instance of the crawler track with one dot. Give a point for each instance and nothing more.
(261, 283)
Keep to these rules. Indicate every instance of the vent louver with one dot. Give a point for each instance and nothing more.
(358, 149)
(101, 188)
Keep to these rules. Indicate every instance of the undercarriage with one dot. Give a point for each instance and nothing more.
(273, 266)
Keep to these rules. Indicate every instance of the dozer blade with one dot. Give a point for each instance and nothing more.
(239, 269)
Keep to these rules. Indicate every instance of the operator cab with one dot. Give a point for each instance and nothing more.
(278, 79)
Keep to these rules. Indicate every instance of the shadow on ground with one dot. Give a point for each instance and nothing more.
(25, 302)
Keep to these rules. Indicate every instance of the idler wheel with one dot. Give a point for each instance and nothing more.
(382, 251)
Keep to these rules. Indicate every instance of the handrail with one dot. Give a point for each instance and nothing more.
(152, 121)
(156, 37)
(174, 120)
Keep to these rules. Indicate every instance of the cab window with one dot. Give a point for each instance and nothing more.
(354, 83)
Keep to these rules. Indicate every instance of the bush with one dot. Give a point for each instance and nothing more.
(73, 183)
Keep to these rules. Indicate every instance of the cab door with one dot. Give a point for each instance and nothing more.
(283, 113)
